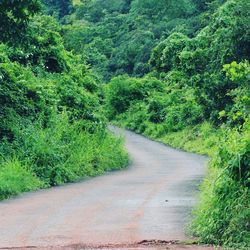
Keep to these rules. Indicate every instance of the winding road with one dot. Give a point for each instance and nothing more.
(150, 200)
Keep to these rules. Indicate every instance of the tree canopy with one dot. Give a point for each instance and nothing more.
(14, 16)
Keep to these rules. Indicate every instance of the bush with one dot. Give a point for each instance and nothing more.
(202, 57)
(64, 152)
(16, 178)
(138, 103)
(135, 118)
(166, 55)
(52, 128)
(202, 138)
(123, 90)
(19, 96)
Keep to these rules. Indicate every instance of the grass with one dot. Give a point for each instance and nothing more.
(202, 139)
(60, 153)
(223, 214)
(16, 178)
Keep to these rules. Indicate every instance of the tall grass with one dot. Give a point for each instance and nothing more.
(16, 178)
(59, 153)
(223, 215)
(202, 139)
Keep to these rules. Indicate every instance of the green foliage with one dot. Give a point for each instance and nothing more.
(223, 215)
(19, 97)
(52, 126)
(16, 178)
(239, 75)
(128, 30)
(58, 8)
(173, 106)
(25, 96)
(61, 80)
(94, 11)
(237, 71)
(64, 152)
(202, 139)
(14, 16)
(202, 57)
(166, 55)
(122, 91)
(173, 9)
(43, 47)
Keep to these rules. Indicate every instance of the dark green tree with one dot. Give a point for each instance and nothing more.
(59, 8)
(14, 16)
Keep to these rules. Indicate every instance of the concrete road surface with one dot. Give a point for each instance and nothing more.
(151, 200)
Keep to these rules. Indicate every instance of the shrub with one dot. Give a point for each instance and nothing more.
(139, 102)
(52, 128)
(123, 90)
(64, 152)
(16, 178)
(224, 212)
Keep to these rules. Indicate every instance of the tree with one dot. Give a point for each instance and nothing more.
(59, 8)
(14, 16)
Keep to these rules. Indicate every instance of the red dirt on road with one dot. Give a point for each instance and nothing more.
(151, 199)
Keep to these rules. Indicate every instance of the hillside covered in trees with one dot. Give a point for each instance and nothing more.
(117, 37)
(52, 127)
(175, 71)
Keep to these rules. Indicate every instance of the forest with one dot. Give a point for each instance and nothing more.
(177, 72)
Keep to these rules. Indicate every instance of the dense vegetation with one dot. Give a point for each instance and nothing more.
(177, 71)
(52, 129)
(117, 37)
(196, 96)
(58, 8)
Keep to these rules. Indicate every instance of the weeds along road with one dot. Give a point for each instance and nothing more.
(152, 199)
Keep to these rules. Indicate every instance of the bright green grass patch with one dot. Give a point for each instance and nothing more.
(202, 139)
(16, 178)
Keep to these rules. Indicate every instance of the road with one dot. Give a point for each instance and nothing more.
(150, 200)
